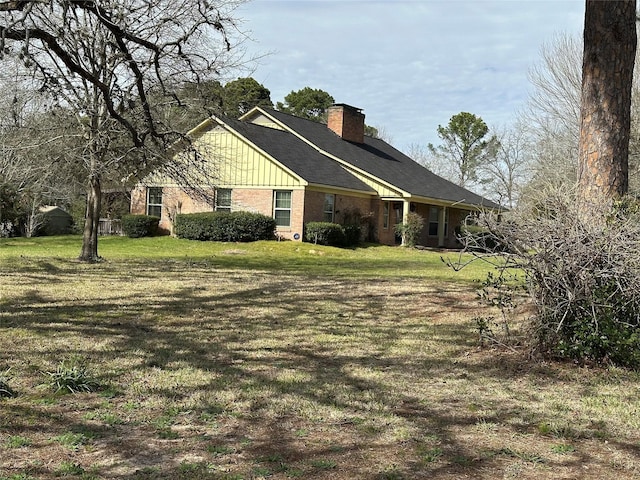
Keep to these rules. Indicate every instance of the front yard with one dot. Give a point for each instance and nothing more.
(282, 360)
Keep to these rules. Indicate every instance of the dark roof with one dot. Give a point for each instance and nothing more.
(298, 156)
(383, 161)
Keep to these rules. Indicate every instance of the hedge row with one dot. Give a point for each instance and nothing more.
(225, 226)
(325, 233)
(135, 226)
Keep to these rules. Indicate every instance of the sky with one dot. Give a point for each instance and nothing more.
(408, 64)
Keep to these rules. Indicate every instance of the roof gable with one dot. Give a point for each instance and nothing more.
(298, 156)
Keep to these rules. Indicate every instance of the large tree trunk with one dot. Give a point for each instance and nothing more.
(89, 251)
(607, 71)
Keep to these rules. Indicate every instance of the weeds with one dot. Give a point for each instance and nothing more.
(323, 464)
(67, 468)
(432, 455)
(70, 440)
(72, 376)
(563, 448)
(17, 441)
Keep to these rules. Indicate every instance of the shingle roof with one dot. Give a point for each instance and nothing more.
(381, 160)
(298, 156)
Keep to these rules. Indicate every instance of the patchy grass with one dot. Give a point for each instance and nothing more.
(341, 365)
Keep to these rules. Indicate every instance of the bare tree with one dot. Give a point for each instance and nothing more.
(115, 67)
(29, 173)
(504, 175)
(553, 111)
(607, 75)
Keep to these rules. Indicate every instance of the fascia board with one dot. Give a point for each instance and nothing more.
(448, 203)
(329, 188)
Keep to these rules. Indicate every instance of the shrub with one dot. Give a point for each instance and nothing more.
(136, 226)
(411, 229)
(72, 376)
(225, 226)
(581, 267)
(325, 233)
(352, 234)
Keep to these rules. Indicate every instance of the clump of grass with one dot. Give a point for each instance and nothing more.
(562, 448)
(72, 376)
(324, 464)
(17, 441)
(432, 455)
(5, 390)
(71, 440)
(69, 468)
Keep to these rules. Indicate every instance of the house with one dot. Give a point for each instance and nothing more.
(300, 171)
(53, 220)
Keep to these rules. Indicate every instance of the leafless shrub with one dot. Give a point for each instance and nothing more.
(580, 266)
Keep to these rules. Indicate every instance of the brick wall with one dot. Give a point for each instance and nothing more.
(174, 201)
(260, 200)
(345, 206)
(306, 207)
(456, 216)
(347, 122)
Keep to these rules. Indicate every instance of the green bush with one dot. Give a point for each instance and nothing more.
(352, 234)
(325, 233)
(225, 226)
(136, 226)
(411, 229)
(612, 335)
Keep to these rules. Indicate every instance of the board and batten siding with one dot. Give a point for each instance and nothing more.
(238, 164)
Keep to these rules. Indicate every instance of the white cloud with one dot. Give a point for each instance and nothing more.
(409, 64)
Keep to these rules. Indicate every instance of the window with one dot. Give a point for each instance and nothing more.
(385, 215)
(154, 201)
(434, 216)
(434, 220)
(282, 208)
(223, 200)
(329, 207)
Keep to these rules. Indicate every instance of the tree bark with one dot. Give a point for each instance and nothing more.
(89, 252)
(607, 72)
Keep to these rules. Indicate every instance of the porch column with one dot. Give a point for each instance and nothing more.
(406, 205)
(442, 215)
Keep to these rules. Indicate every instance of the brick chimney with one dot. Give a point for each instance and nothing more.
(347, 122)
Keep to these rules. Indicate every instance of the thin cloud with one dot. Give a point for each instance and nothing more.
(410, 65)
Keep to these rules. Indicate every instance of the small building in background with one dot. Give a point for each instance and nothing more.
(54, 221)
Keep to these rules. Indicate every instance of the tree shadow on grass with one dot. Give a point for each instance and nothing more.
(266, 358)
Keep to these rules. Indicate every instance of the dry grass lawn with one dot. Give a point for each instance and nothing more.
(211, 373)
